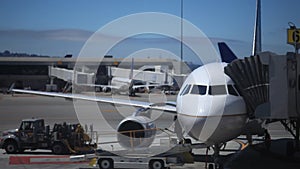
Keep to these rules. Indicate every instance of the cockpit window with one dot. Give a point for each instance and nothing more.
(185, 90)
(199, 89)
(217, 90)
(232, 90)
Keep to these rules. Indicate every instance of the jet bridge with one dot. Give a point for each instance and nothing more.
(157, 76)
(270, 86)
(70, 76)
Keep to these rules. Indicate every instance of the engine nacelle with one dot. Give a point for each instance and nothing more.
(136, 132)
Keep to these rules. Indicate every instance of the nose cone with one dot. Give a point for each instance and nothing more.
(218, 119)
(208, 117)
(206, 75)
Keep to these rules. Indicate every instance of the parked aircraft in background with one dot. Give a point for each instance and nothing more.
(131, 84)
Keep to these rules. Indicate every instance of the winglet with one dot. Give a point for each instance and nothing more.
(226, 53)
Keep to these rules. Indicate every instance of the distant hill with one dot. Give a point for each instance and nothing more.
(10, 54)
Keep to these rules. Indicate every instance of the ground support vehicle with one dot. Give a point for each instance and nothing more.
(33, 134)
(176, 156)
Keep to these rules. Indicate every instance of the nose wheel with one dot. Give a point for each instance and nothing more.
(216, 158)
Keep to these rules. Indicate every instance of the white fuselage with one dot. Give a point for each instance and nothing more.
(209, 107)
(121, 84)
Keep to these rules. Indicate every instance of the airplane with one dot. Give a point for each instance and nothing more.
(218, 113)
(217, 116)
(217, 105)
(122, 85)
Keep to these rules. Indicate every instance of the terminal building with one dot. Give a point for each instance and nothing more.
(33, 72)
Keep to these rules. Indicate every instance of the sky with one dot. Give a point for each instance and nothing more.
(60, 27)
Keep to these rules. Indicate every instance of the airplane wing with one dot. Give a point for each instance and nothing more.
(168, 106)
(102, 86)
(141, 86)
(118, 87)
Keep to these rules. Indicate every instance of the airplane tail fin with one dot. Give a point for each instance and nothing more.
(131, 90)
(256, 46)
(226, 53)
(131, 69)
(12, 86)
(228, 56)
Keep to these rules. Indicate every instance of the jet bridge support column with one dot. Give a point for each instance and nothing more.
(297, 138)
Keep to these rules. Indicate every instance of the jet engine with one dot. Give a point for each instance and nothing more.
(136, 132)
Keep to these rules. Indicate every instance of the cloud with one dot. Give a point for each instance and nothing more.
(59, 34)
(216, 40)
(61, 41)
(83, 35)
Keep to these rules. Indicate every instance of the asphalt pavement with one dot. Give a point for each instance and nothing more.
(57, 110)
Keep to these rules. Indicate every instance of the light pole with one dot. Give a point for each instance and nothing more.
(181, 35)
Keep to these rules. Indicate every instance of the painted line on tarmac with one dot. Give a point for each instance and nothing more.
(23, 95)
(27, 160)
(242, 144)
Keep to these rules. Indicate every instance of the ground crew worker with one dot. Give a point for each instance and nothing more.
(267, 140)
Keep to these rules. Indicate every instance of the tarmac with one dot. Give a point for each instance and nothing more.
(57, 110)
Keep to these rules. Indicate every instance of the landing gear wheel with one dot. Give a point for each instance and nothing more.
(21, 150)
(11, 147)
(156, 164)
(188, 141)
(290, 148)
(105, 163)
(211, 166)
(58, 148)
